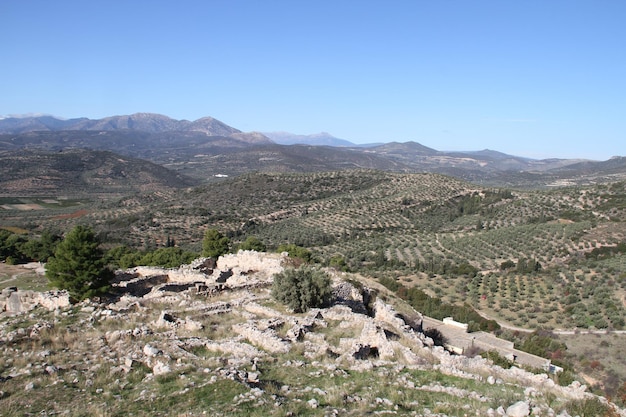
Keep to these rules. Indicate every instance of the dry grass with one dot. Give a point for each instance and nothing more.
(602, 357)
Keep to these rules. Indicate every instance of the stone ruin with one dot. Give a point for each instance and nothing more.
(14, 300)
(245, 269)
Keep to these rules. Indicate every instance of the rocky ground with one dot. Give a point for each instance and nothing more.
(207, 339)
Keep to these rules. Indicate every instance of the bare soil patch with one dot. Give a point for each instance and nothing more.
(74, 215)
(22, 278)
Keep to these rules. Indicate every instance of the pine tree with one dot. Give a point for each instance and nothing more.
(78, 265)
(214, 244)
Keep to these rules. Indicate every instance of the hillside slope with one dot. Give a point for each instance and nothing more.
(81, 172)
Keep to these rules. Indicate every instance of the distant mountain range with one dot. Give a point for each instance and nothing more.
(318, 139)
(139, 122)
(206, 147)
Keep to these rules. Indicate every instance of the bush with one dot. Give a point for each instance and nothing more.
(497, 359)
(252, 243)
(438, 338)
(589, 407)
(295, 251)
(168, 257)
(302, 288)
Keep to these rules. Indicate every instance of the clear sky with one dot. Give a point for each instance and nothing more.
(537, 78)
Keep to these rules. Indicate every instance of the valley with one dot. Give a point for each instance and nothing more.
(540, 248)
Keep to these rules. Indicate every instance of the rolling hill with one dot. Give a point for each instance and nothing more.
(81, 172)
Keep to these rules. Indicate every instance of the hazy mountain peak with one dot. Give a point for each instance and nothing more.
(145, 122)
(316, 139)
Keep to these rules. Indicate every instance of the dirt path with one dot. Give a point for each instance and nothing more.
(10, 273)
(505, 325)
(13, 278)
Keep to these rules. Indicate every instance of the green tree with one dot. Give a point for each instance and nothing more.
(168, 257)
(214, 244)
(338, 262)
(78, 265)
(438, 338)
(43, 248)
(121, 256)
(11, 245)
(252, 243)
(295, 251)
(302, 288)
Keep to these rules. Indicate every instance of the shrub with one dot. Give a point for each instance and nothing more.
(589, 407)
(438, 338)
(168, 257)
(507, 265)
(497, 359)
(296, 251)
(252, 243)
(302, 288)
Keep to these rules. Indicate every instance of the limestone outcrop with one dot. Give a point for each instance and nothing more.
(233, 271)
(14, 300)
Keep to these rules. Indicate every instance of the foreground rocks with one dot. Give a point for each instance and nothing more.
(233, 349)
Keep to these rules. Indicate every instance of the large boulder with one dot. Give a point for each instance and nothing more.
(519, 409)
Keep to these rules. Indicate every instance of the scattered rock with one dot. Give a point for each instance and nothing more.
(519, 409)
(384, 401)
(51, 369)
(348, 336)
(266, 339)
(150, 351)
(161, 368)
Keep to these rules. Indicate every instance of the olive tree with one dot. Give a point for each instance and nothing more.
(302, 288)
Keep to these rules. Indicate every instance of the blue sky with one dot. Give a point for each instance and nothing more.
(531, 78)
